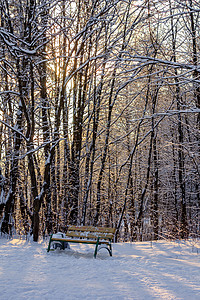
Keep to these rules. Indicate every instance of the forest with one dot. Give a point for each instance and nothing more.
(100, 117)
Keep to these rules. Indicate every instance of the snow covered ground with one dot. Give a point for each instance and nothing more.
(161, 270)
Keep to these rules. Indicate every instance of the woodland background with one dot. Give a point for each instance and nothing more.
(100, 116)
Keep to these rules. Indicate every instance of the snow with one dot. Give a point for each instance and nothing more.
(142, 270)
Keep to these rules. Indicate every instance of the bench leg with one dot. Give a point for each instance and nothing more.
(110, 250)
(48, 249)
(108, 247)
(96, 248)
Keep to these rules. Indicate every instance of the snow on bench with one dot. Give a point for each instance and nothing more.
(101, 237)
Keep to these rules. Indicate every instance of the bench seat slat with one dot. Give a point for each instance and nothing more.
(90, 235)
(78, 241)
(92, 229)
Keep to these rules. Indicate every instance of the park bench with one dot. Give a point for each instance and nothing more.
(101, 237)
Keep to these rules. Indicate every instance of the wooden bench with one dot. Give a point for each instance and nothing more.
(101, 237)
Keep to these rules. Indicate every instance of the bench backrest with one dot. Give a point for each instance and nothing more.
(90, 232)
